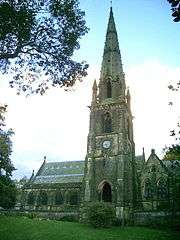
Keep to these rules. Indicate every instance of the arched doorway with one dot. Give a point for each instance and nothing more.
(106, 192)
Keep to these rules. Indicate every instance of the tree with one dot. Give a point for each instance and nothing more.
(175, 7)
(37, 41)
(172, 153)
(5, 145)
(7, 192)
(7, 187)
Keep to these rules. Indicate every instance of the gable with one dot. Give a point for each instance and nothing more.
(154, 167)
(60, 172)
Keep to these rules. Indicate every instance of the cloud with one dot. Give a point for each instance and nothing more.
(56, 125)
(150, 97)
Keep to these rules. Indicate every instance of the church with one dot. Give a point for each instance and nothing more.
(110, 172)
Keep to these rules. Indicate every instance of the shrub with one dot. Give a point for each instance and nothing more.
(7, 193)
(100, 214)
(69, 218)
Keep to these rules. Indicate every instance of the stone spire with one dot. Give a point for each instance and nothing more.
(111, 68)
(111, 63)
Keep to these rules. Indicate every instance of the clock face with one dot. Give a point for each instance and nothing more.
(106, 144)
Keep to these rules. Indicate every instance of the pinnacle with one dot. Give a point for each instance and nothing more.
(95, 85)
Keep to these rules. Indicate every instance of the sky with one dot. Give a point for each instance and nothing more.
(56, 125)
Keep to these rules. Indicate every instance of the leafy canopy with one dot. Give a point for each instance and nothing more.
(5, 145)
(175, 7)
(37, 42)
(7, 187)
(172, 153)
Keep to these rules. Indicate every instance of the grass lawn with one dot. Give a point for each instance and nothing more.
(20, 228)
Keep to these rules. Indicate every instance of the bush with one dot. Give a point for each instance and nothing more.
(100, 214)
(7, 193)
(69, 218)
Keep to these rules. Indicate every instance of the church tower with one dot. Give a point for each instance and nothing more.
(109, 164)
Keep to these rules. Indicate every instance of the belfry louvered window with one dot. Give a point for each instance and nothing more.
(107, 123)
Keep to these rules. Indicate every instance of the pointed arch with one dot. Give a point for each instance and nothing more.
(107, 123)
(42, 198)
(31, 198)
(109, 89)
(148, 189)
(59, 198)
(162, 189)
(105, 191)
(73, 198)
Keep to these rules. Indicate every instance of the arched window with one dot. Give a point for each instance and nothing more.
(59, 198)
(148, 190)
(162, 190)
(31, 198)
(109, 89)
(73, 200)
(106, 192)
(153, 169)
(42, 198)
(107, 123)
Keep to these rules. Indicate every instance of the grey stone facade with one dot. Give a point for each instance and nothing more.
(110, 172)
(109, 164)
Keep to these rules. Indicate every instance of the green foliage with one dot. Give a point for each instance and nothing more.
(5, 144)
(100, 214)
(37, 41)
(14, 228)
(7, 193)
(172, 153)
(175, 4)
(7, 187)
(166, 222)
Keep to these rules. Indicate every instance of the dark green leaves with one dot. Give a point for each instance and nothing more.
(37, 42)
(5, 145)
(175, 4)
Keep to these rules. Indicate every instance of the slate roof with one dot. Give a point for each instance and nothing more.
(60, 172)
(173, 166)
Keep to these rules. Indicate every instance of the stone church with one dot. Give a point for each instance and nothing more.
(111, 172)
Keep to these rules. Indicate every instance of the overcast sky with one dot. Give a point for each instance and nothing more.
(56, 124)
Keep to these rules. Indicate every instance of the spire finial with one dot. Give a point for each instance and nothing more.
(111, 3)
